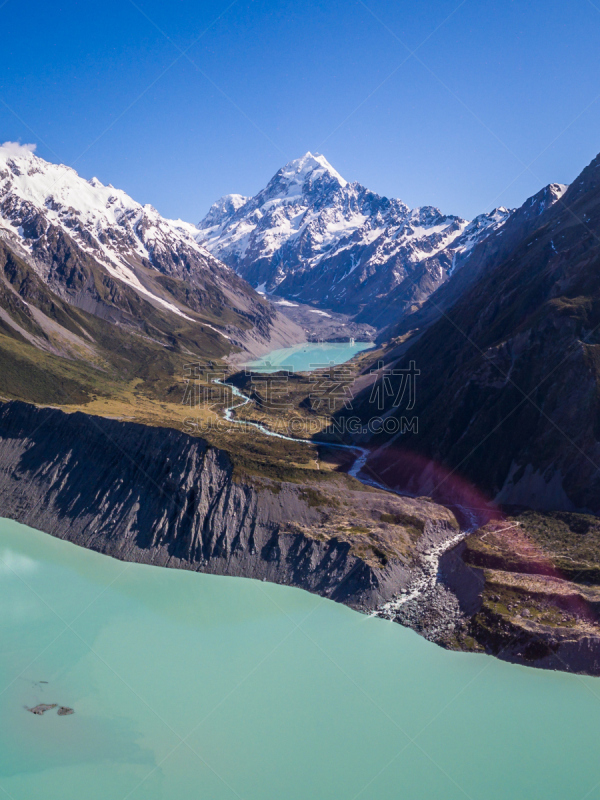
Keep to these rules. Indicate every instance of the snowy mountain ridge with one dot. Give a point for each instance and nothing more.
(311, 235)
(101, 251)
(105, 222)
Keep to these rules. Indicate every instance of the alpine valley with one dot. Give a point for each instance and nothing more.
(476, 524)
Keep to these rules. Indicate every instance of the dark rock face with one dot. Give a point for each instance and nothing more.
(464, 581)
(489, 250)
(158, 496)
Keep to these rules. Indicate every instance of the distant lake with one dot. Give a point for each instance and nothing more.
(308, 356)
(189, 686)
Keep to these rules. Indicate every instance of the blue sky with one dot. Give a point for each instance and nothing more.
(462, 105)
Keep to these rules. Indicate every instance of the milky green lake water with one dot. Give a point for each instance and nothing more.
(308, 356)
(189, 686)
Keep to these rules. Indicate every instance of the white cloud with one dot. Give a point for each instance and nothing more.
(17, 149)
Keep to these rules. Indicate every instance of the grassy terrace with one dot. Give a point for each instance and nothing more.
(542, 578)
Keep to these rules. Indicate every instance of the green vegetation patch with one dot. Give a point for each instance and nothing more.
(413, 525)
(571, 541)
(316, 499)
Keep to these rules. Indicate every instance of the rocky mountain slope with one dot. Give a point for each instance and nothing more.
(159, 496)
(483, 256)
(508, 392)
(529, 589)
(87, 275)
(311, 236)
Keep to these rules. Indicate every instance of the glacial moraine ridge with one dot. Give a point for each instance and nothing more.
(159, 496)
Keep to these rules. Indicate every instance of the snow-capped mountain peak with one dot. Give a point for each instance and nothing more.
(106, 223)
(78, 257)
(312, 236)
(224, 208)
(59, 190)
(303, 177)
(314, 166)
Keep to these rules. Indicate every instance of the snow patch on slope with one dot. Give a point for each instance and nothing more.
(104, 221)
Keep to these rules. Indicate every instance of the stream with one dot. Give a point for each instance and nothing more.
(427, 577)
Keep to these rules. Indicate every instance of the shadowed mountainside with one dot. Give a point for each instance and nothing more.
(508, 392)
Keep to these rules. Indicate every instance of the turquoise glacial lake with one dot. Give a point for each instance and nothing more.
(190, 686)
(308, 356)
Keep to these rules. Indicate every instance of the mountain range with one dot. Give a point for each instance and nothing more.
(312, 237)
(500, 316)
(90, 276)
